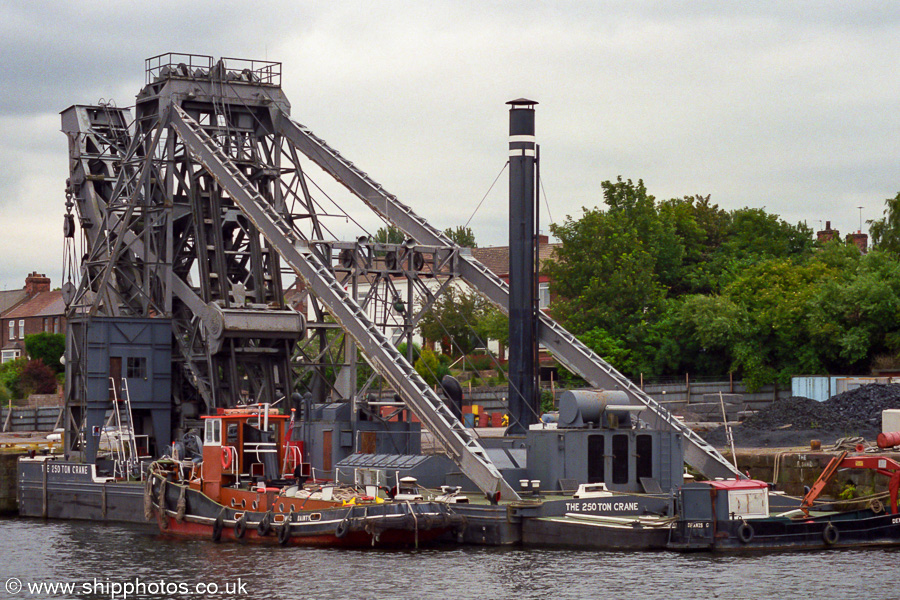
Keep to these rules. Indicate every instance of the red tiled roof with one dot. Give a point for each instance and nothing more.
(44, 304)
(496, 258)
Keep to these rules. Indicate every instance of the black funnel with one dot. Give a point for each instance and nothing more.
(522, 311)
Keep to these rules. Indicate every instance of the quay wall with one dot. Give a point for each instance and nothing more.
(8, 461)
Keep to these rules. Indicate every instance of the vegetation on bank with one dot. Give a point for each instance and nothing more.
(38, 374)
(661, 288)
(682, 286)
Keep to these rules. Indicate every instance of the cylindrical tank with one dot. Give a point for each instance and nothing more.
(889, 439)
(579, 407)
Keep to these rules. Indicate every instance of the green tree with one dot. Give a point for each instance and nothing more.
(854, 317)
(696, 336)
(606, 272)
(611, 349)
(755, 234)
(430, 368)
(702, 228)
(46, 347)
(493, 325)
(452, 320)
(886, 230)
(10, 376)
(389, 235)
(462, 236)
(416, 351)
(628, 273)
(775, 341)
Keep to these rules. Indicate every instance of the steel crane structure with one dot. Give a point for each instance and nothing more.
(191, 211)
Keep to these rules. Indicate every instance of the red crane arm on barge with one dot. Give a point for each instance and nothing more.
(880, 464)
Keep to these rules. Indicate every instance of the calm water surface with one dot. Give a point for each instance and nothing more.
(98, 555)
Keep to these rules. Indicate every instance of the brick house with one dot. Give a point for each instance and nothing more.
(33, 309)
(496, 258)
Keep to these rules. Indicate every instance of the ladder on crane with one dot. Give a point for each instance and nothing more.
(125, 447)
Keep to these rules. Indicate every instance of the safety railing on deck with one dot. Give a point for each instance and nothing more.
(201, 66)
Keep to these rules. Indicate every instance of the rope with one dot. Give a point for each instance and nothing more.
(181, 507)
(415, 522)
(148, 501)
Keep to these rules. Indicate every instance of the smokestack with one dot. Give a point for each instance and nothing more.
(523, 399)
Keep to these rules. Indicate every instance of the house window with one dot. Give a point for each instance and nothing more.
(21, 329)
(544, 294)
(12, 330)
(46, 323)
(9, 355)
(55, 324)
(136, 367)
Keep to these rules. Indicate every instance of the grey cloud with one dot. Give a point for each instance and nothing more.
(791, 106)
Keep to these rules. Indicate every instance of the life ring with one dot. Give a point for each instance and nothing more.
(745, 532)
(284, 533)
(830, 534)
(342, 529)
(218, 526)
(240, 526)
(226, 458)
(265, 525)
(877, 506)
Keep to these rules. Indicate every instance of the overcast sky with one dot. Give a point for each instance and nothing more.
(790, 107)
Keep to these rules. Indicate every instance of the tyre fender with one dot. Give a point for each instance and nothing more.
(284, 533)
(342, 529)
(240, 526)
(745, 532)
(830, 534)
(265, 525)
(218, 526)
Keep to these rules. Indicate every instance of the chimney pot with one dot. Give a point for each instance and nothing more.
(36, 284)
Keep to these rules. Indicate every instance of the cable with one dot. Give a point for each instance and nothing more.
(506, 164)
(550, 216)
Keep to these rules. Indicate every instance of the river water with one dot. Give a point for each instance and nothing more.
(99, 562)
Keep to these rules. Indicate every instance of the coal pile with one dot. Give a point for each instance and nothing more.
(796, 420)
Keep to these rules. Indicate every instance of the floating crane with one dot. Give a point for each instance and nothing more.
(190, 212)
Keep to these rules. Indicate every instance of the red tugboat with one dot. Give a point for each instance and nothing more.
(252, 484)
